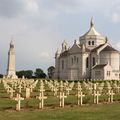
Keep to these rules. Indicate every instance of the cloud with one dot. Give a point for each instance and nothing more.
(68, 6)
(78, 6)
(11, 8)
(32, 6)
(15, 8)
(44, 55)
(116, 17)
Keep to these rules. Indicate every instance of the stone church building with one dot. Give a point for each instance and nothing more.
(92, 58)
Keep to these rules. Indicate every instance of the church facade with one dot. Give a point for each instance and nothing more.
(92, 58)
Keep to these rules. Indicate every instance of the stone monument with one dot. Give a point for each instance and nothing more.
(11, 73)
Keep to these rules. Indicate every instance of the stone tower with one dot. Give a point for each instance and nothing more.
(11, 73)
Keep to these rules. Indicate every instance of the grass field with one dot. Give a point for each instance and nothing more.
(92, 112)
(52, 111)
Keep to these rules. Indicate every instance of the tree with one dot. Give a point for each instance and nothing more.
(39, 73)
(51, 70)
(25, 73)
(20, 74)
(28, 73)
(1, 76)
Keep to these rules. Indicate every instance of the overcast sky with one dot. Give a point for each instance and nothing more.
(38, 27)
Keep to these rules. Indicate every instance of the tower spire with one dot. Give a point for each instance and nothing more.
(91, 23)
(64, 46)
(106, 39)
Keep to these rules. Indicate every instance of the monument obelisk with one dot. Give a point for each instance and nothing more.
(11, 73)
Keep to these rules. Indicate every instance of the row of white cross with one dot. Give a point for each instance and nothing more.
(62, 87)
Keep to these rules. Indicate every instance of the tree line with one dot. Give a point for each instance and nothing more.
(39, 73)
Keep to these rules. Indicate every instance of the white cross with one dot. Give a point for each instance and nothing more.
(11, 91)
(62, 99)
(31, 88)
(80, 98)
(79, 86)
(41, 98)
(96, 95)
(15, 85)
(41, 87)
(55, 90)
(27, 92)
(18, 99)
(61, 86)
(20, 88)
(109, 86)
(110, 95)
(118, 88)
(94, 86)
(68, 90)
(100, 87)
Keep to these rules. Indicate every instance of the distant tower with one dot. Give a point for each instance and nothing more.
(11, 73)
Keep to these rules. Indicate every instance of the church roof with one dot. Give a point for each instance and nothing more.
(109, 48)
(100, 66)
(92, 31)
(95, 49)
(65, 53)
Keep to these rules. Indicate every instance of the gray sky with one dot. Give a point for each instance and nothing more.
(40, 26)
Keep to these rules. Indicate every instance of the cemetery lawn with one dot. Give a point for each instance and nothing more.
(86, 112)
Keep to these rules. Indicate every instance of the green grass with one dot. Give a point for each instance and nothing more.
(92, 112)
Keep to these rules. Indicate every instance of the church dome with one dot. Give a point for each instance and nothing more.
(92, 38)
(92, 31)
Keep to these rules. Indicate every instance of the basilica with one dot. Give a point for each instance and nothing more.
(93, 57)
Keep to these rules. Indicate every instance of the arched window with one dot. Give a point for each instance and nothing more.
(74, 58)
(71, 61)
(87, 62)
(89, 42)
(77, 59)
(93, 61)
(92, 42)
(62, 64)
(65, 47)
